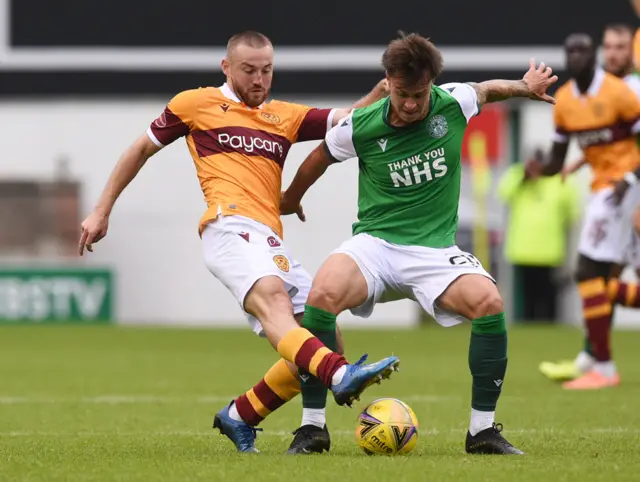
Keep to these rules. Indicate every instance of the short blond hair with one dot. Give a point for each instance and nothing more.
(248, 37)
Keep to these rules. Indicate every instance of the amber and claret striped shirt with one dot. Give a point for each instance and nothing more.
(238, 151)
(605, 121)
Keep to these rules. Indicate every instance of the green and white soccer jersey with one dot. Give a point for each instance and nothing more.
(409, 183)
(409, 190)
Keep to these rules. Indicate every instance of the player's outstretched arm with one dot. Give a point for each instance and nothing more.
(575, 167)
(95, 226)
(535, 168)
(311, 169)
(556, 162)
(380, 91)
(533, 86)
(336, 147)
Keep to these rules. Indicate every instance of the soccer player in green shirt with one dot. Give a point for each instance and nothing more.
(404, 241)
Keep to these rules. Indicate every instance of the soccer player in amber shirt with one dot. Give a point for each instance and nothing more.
(239, 143)
(636, 39)
(617, 45)
(603, 113)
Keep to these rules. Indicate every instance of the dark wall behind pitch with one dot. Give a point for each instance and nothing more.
(287, 22)
(163, 23)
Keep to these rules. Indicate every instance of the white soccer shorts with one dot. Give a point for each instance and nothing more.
(607, 230)
(394, 272)
(239, 251)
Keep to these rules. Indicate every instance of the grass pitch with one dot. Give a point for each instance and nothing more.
(135, 404)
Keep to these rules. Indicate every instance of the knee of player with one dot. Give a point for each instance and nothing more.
(279, 303)
(490, 304)
(268, 301)
(325, 297)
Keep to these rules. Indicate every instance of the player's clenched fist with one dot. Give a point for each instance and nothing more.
(94, 228)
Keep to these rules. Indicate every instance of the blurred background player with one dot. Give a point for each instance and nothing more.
(618, 52)
(239, 142)
(542, 211)
(618, 49)
(602, 112)
(636, 39)
(403, 246)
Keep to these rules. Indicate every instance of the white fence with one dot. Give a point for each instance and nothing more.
(153, 246)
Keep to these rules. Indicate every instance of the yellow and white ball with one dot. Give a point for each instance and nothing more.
(387, 426)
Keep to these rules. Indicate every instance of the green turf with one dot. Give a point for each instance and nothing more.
(107, 403)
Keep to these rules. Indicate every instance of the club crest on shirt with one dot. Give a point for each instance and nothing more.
(282, 263)
(269, 117)
(438, 126)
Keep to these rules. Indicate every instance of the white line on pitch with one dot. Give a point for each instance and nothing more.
(159, 399)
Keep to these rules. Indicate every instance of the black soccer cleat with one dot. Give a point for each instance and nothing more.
(489, 441)
(310, 439)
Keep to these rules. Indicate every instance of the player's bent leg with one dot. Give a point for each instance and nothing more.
(321, 310)
(605, 238)
(595, 363)
(278, 386)
(472, 296)
(624, 293)
(338, 285)
(268, 302)
(587, 275)
(312, 436)
(239, 419)
(476, 297)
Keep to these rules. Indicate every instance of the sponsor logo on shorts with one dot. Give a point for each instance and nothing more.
(273, 242)
(269, 117)
(465, 260)
(282, 263)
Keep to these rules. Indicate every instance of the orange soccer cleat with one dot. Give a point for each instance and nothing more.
(592, 381)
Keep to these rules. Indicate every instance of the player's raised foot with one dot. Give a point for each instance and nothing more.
(490, 441)
(240, 433)
(310, 439)
(358, 377)
(560, 371)
(592, 380)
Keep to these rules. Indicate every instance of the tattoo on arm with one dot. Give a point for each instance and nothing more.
(498, 89)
